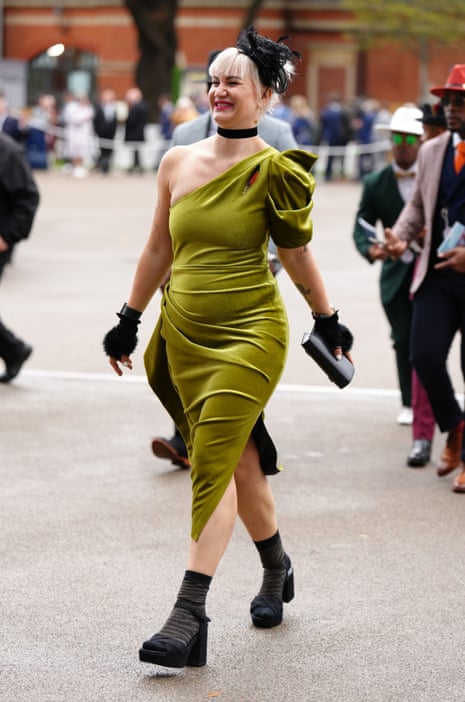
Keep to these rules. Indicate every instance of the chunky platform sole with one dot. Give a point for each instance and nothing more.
(193, 655)
(177, 654)
(267, 611)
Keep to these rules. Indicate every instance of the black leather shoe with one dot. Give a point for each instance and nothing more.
(12, 369)
(420, 453)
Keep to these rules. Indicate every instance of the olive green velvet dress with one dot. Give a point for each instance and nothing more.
(220, 344)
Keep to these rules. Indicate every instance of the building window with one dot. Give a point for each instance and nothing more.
(72, 71)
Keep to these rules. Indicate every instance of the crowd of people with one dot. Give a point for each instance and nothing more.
(384, 194)
(81, 134)
(219, 346)
(329, 132)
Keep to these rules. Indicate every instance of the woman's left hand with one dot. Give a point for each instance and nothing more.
(338, 337)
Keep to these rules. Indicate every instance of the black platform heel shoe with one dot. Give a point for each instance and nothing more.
(162, 650)
(267, 610)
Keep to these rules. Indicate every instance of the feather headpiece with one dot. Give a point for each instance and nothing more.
(272, 58)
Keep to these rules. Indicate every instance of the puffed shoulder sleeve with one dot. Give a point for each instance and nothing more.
(289, 199)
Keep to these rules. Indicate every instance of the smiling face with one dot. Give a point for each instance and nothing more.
(233, 102)
(236, 97)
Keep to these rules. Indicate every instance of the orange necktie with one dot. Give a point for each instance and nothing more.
(459, 160)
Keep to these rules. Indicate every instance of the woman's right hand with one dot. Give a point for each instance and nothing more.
(120, 342)
(124, 361)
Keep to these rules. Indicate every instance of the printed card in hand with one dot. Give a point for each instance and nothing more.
(455, 237)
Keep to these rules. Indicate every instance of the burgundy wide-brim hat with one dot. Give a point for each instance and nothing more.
(455, 81)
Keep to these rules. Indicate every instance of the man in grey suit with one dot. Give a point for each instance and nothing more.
(277, 133)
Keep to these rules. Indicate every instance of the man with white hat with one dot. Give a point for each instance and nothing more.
(438, 287)
(383, 196)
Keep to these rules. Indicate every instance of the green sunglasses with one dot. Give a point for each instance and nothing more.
(410, 139)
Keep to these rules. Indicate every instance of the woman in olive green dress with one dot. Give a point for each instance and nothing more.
(220, 345)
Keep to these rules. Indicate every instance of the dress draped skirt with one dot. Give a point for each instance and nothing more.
(220, 344)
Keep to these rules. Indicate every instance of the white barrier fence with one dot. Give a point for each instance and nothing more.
(154, 145)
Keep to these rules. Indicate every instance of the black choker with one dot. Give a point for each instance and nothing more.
(237, 133)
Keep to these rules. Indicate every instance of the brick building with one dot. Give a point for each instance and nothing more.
(101, 48)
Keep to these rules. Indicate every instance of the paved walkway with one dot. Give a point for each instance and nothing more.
(93, 527)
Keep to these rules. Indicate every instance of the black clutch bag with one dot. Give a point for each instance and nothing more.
(340, 372)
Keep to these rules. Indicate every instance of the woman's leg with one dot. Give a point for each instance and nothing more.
(256, 508)
(206, 553)
(183, 638)
(255, 501)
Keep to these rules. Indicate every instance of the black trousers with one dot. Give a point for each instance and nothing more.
(9, 343)
(399, 314)
(104, 160)
(438, 314)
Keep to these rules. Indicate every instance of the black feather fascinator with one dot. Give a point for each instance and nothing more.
(272, 58)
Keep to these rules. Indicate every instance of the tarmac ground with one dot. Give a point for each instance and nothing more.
(94, 529)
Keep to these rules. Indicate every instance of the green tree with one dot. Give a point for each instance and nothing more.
(422, 26)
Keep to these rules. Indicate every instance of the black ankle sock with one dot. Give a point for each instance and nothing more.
(182, 625)
(194, 589)
(274, 569)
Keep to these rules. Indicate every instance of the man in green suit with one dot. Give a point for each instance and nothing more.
(383, 196)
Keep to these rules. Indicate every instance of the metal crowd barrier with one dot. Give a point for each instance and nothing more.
(347, 157)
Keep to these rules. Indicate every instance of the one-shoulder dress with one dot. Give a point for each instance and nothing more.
(220, 344)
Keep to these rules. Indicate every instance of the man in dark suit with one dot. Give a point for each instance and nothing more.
(105, 125)
(438, 286)
(19, 199)
(383, 197)
(136, 121)
(335, 131)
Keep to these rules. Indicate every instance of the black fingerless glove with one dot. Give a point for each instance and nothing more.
(334, 333)
(122, 339)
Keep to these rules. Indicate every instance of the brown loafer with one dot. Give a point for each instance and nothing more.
(459, 481)
(452, 454)
(172, 450)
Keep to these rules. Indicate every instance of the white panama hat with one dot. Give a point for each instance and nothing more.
(404, 120)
